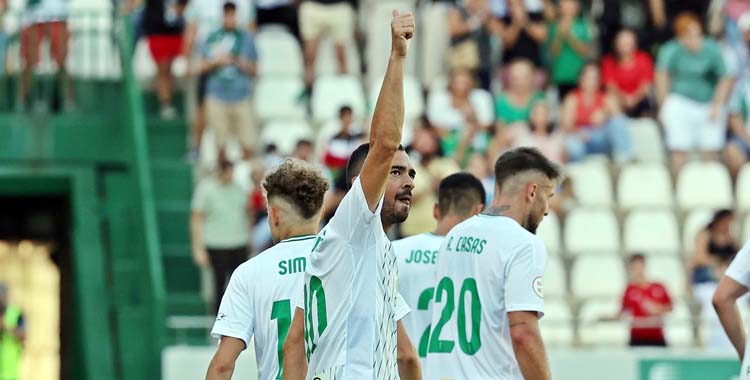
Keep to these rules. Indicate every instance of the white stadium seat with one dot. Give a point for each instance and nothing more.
(278, 98)
(598, 277)
(331, 92)
(285, 134)
(557, 324)
(651, 231)
(704, 184)
(434, 38)
(591, 183)
(413, 98)
(279, 53)
(670, 271)
(594, 332)
(592, 231)
(695, 221)
(647, 141)
(743, 188)
(678, 325)
(554, 279)
(645, 185)
(549, 232)
(326, 62)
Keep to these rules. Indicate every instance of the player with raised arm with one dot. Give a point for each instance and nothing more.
(489, 296)
(263, 291)
(351, 306)
(460, 196)
(733, 285)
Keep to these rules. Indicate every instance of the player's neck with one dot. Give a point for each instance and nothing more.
(299, 230)
(446, 223)
(502, 207)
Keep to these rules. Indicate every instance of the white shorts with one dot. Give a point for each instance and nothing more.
(688, 127)
(336, 20)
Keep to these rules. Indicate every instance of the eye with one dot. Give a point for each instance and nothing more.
(395, 172)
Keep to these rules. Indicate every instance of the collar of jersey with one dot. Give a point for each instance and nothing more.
(297, 238)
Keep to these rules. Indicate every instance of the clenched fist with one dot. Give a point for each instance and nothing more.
(402, 30)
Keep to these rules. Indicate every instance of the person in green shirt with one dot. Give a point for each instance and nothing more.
(12, 336)
(513, 105)
(692, 86)
(568, 46)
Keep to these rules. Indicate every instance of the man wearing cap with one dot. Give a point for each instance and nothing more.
(12, 335)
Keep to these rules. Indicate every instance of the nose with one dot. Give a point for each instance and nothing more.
(408, 183)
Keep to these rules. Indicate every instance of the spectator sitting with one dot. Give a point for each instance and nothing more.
(163, 25)
(342, 144)
(646, 303)
(628, 74)
(513, 105)
(318, 17)
(593, 122)
(692, 88)
(479, 166)
(12, 337)
(521, 27)
(569, 46)
(461, 106)
(230, 64)
(468, 27)
(541, 134)
(220, 226)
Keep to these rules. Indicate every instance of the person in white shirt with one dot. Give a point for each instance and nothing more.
(261, 293)
(350, 316)
(489, 285)
(460, 196)
(732, 286)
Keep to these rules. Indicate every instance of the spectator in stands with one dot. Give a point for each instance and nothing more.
(46, 19)
(737, 150)
(230, 65)
(12, 337)
(692, 88)
(513, 105)
(303, 150)
(163, 24)
(319, 17)
(593, 122)
(343, 143)
(427, 157)
(541, 134)
(628, 74)
(481, 167)
(637, 16)
(647, 303)
(257, 207)
(569, 46)
(462, 106)
(202, 18)
(521, 27)
(3, 37)
(732, 14)
(469, 30)
(219, 226)
(277, 12)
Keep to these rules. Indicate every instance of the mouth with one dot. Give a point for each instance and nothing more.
(404, 199)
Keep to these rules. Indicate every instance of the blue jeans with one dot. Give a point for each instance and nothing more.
(611, 138)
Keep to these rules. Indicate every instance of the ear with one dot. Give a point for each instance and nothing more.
(273, 215)
(531, 191)
(478, 208)
(436, 212)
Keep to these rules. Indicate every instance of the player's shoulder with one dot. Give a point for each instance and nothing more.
(416, 240)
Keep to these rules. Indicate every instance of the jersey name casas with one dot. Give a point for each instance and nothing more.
(351, 299)
(417, 263)
(260, 298)
(488, 266)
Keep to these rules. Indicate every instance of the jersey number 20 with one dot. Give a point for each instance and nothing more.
(445, 294)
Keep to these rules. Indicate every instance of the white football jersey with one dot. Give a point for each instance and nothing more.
(739, 270)
(260, 298)
(417, 263)
(488, 266)
(351, 298)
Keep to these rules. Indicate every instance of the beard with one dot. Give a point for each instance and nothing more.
(534, 218)
(395, 212)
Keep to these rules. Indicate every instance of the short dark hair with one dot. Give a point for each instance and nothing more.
(345, 109)
(229, 6)
(520, 160)
(299, 183)
(356, 160)
(636, 257)
(302, 142)
(458, 193)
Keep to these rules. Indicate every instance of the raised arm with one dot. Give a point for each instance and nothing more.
(388, 118)
(528, 345)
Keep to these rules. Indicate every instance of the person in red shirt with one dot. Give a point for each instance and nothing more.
(628, 74)
(646, 303)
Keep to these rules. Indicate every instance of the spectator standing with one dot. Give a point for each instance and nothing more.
(230, 65)
(593, 122)
(202, 18)
(45, 19)
(647, 303)
(219, 226)
(342, 144)
(163, 24)
(569, 46)
(12, 336)
(692, 87)
(318, 18)
(277, 12)
(628, 74)
(469, 30)
(521, 28)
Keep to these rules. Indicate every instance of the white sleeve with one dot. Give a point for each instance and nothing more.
(484, 107)
(441, 113)
(739, 269)
(402, 309)
(353, 215)
(524, 278)
(236, 318)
